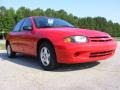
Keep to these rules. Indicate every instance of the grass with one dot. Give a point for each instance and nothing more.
(2, 46)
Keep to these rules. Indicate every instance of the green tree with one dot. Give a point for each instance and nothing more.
(9, 17)
(100, 23)
(22, 12)
(37, 12)
(9, 21)
(2, 19)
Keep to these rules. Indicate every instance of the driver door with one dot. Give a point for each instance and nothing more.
(28, 38)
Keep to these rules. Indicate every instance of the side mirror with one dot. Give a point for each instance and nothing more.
(27, 28)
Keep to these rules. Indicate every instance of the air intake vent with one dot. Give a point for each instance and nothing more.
(101, 54)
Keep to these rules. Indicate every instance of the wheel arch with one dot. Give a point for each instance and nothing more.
(44, 40)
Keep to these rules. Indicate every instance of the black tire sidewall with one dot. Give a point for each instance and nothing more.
(12, 54)
(53, 63)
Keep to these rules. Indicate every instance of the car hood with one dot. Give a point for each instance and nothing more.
(76, 31)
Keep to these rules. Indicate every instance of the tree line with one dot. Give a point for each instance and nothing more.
(9, 17)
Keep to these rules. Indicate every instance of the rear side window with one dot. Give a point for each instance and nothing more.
(17, 28)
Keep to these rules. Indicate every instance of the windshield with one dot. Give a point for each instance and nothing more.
(44, 22)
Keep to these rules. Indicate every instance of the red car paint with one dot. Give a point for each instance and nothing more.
(100, 45)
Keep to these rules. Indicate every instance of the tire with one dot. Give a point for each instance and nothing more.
(10, 53)
(47, 56)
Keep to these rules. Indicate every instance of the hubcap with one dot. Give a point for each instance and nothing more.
(8, 50)
(45, 56)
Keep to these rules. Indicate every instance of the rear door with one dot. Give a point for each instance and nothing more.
(14, 37)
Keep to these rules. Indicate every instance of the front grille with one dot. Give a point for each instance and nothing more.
(100, 39)
(101, 54)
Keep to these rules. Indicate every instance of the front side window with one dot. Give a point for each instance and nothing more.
(43, 22)
(17, 28)
(27, 23)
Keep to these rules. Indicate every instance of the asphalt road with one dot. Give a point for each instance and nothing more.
(24, 73)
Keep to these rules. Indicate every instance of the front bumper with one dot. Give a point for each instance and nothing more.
(85, 52)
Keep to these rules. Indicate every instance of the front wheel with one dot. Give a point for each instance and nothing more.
(47, 56)
(10, 53)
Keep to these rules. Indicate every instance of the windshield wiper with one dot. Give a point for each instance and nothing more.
(57, 26)
(66, 26)
(46, 26)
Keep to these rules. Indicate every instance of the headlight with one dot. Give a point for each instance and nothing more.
(76, 39)
(109, 36)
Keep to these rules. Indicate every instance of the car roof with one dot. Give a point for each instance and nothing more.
(40, 16)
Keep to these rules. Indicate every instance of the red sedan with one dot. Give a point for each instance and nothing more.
(54, 41)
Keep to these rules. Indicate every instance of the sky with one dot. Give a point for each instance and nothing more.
(109, 9)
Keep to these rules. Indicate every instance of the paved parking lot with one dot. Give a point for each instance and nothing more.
(24, 73)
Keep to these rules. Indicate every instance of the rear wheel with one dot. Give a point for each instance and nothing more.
(10, 53)
(47, 56)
